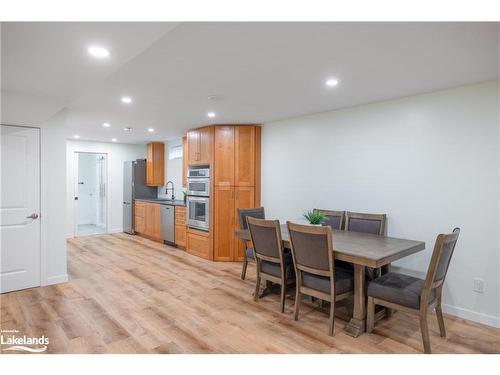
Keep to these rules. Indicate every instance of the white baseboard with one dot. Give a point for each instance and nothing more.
(56, 280)
(116, 230)
(475, 316)
(70, 235)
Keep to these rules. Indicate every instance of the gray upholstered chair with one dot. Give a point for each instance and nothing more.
(315, 271)
(414, 295)
(333, 219)
(366, 223)
(243, 213)
(273, 264)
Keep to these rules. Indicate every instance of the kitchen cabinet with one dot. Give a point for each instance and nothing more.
(184, 160)
(155, 164)
(199, 243)
(200, 145)
(147, 219)
(227, 200)
(224, 155)
(233, 153)
(180, 227)
(244, 155)
(244, 197)
(224, 223)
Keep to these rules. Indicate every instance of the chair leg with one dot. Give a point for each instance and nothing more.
(370, 315)
(283, 291)
(298, 297)
(257, 288)
(244, 270)
(425, 332)
(331, 320)
(439, 314)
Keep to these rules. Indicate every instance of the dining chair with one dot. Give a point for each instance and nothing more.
(334, 219)
(414, 295)
(248, 255)
(273, 263)
(367, 223)
(315, 272)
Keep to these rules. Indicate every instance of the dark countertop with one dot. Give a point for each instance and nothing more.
(167, 202)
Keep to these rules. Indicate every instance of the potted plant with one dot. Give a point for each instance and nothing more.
(314, 217)
(184, 194)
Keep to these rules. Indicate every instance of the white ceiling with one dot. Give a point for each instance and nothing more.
(263, 71)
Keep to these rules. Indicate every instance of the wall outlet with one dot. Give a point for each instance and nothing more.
(478, 285)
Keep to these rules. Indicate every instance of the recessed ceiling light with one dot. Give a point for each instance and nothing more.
(126, 99)
(99, 52)
(151, 130)
(113, 139)
(128, 129)
(211, 114)
(76, 136)
(332, 82)
(106, 124)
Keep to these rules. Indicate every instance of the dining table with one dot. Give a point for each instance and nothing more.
(362, 250)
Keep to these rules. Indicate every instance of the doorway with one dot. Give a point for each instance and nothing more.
(90, 193)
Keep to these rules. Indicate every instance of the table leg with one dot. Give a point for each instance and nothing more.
(357, 324)
(386, 269)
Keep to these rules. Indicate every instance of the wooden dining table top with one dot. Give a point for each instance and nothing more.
(360, 248)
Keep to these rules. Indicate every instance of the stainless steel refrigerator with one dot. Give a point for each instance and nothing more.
(134, 186)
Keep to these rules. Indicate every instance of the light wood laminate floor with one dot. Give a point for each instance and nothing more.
(131, 295)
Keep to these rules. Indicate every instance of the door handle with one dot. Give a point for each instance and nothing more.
(32, 216)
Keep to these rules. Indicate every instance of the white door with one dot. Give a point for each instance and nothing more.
(19, 208)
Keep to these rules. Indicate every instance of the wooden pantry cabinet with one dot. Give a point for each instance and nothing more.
(236, 184)
(155, 164)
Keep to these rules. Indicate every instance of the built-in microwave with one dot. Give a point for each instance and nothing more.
(199, 187)
(198, 212)
(198, 172)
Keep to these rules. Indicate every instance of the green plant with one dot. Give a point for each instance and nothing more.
(314, 217)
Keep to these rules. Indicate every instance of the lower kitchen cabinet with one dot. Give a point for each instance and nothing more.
(180, 227)
(147, 220)
(227, 247)
(198, 243)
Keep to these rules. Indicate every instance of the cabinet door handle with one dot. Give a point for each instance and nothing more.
(236, 194)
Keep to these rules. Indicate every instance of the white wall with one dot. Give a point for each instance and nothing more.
(116, 154)
(430, 162)
(53, 200)
(173, 170)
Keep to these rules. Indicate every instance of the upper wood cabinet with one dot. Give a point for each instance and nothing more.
(244, 166)
(184, 161)
(237, 155)
(155, 164)
(200, 145)
(224, 155)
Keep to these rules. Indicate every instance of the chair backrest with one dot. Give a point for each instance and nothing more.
(333, 219)
(266, 239)
(312, 248)
(365, 223)
(441, 257)
(243, 213)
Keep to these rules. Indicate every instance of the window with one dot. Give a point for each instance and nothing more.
(175, 152)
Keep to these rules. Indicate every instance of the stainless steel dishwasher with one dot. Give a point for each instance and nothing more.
(167, 223)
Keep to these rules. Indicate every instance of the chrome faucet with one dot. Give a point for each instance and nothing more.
(172, 189)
